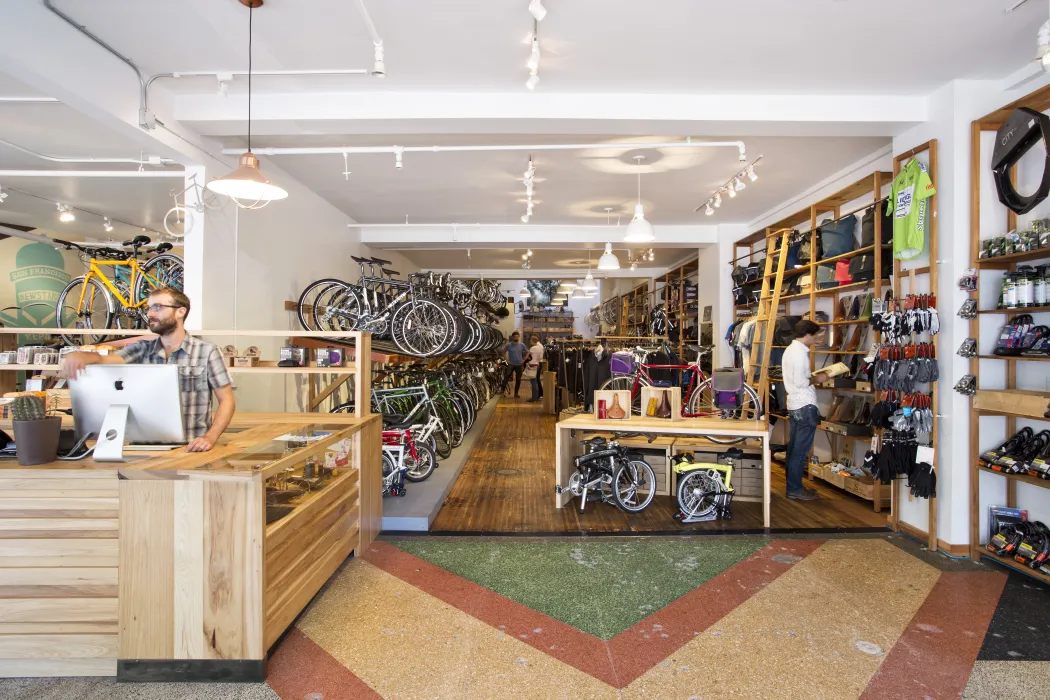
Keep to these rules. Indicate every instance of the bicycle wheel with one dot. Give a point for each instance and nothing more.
(307, 301)
(389, 478)
(337, 308)
(697, 493)
(421, 466)
(701, 402)
(634, 486)
(422, 326)
(625, 382)
(452, 418)
(85, 303)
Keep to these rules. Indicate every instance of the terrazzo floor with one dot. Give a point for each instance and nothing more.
(748, 617)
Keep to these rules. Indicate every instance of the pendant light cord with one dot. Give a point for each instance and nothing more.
(251, 14)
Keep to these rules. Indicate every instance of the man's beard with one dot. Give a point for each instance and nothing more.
(162, 327)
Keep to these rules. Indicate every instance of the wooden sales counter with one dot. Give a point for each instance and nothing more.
(164, 567)
(567, 445)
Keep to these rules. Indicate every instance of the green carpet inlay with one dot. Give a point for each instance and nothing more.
(601, 587)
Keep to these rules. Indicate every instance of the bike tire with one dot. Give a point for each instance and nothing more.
(641, 479)
(91, 318)
(689, 502)
(420, 468)
(305, 307)
(167, 268)
(701, 402)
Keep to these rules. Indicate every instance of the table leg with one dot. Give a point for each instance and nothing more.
(766, 458)
(563, 457)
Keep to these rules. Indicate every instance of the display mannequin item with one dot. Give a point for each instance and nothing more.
(664, 409)
(651, 408)
(615, 411)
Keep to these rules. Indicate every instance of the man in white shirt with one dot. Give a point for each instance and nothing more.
(802, 406)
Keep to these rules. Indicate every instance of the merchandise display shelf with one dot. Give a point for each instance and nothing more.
(1003, 261)
(1026, 310)
(852, 287)
(1024, 478)
(1011, 564)
(1013, 358)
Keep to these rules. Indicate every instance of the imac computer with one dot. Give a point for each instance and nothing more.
(127, 405)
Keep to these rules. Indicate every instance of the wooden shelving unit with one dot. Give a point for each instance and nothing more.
(683, 312)
(547, 324)
(1010, 410)
(753, 249)
(634, 311)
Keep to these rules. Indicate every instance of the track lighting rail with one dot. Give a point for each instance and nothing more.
(150, 160)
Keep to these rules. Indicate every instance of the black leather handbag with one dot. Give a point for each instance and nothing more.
(862, 267)
(867, 226)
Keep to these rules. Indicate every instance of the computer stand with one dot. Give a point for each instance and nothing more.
(110, 444)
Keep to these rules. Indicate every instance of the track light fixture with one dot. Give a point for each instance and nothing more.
(528, 251)
(107, 225)
(3, 195)
(731, 187)
(537, 10)
(529, 180)
(533, 63)
(65, 213)
(378, 64)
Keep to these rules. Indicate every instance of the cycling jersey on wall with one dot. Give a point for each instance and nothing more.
(907, 202)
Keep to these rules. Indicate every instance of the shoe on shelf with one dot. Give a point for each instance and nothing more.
(836, 406)
(864, 417)
(865, 309)
(849, 410)
(854, 309)
(842, 308)
(803, 495)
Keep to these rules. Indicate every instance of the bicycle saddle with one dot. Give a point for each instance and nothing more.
(593, 441)
(137, 241)
(360, 261)
(163, 248)
(396, 423)
(378, 261)
(733, 453)
(390, 273)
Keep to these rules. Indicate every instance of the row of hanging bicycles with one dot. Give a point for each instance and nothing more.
(425, 315)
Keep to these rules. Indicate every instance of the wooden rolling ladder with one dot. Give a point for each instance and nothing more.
(765, 318)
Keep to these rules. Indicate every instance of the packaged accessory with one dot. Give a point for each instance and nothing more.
(968, 348)
(967, 386)
(727, 385)
(968, 282)
(621, 363)
(867, 227)
(969, 309)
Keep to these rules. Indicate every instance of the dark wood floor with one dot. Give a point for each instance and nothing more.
(507, 485)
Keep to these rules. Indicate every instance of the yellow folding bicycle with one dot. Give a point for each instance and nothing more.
(118, 300)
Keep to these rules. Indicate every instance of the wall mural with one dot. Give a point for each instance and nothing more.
(541, 292)
(32, 285)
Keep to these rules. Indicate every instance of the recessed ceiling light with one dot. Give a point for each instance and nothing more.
(107, 225)
(65, 213)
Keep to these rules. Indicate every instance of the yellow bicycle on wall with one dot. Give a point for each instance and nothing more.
(98, 300)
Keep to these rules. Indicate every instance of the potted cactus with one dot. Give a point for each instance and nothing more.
(36, 433)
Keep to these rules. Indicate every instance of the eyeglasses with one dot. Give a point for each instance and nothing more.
(158, 307)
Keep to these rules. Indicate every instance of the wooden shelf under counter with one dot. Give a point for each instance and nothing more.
(205, 587)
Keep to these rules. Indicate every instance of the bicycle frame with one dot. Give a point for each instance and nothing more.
(696, 378)
(94, 270)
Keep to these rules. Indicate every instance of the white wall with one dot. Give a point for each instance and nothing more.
(579, 308)
(279, 250)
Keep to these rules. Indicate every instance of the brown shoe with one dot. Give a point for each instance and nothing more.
(842, 308)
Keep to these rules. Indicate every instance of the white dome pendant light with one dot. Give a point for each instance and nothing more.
(639, 230)
(608, 261)
(245, 184)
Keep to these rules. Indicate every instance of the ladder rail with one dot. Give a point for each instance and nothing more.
(768, 304)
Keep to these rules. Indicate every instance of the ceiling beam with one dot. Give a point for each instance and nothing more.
(538, 236)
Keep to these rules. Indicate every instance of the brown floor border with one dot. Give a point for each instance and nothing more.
(299, 666)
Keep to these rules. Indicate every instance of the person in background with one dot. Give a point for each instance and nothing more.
(535, 358)
(515, 352)
(202, 370)
(801, 405)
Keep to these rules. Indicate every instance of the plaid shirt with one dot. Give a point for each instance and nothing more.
(201, 369)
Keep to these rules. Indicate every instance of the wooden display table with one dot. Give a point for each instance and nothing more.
(567, 444)
(163, 567)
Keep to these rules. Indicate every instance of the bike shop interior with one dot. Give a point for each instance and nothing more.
(365, 200)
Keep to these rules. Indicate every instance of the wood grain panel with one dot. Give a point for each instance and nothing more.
(57, 667)
(299, 591)
(16, 610)
(278, 579)
(233, 542)
(59, 507)
(340, 515)
(57, 528)
(367, 454)
(43, 646)
(58, 583)
(146, 606)
(57, 488)
(59, 627)
(189, 570)
(82, 553)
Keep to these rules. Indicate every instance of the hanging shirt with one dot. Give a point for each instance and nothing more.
(800, 390)
(907, 202)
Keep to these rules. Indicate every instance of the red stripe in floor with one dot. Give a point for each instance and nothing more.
(299, 667)
(628, 655)
(638, 649)
(559, 640)
(935, 655)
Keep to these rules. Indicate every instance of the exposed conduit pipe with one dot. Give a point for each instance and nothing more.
(339, 150)
(29, 100)
(151, 160)
(93, 173)
(224, 76)
(379, 64)
(145, 117)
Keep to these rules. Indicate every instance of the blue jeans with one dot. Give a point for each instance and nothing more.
(803, 427)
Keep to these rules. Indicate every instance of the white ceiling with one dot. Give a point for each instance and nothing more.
(510, 258)
(675, 46)
(572, 186)
(55, 129)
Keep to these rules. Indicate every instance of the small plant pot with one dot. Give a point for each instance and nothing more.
(37, 440)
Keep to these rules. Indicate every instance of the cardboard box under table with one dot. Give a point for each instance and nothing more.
(570, 432)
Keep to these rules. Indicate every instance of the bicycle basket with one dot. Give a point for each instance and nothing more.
(727, 388)
(621, 363)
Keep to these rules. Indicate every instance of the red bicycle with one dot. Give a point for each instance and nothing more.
(697, 394)
(417, 459)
